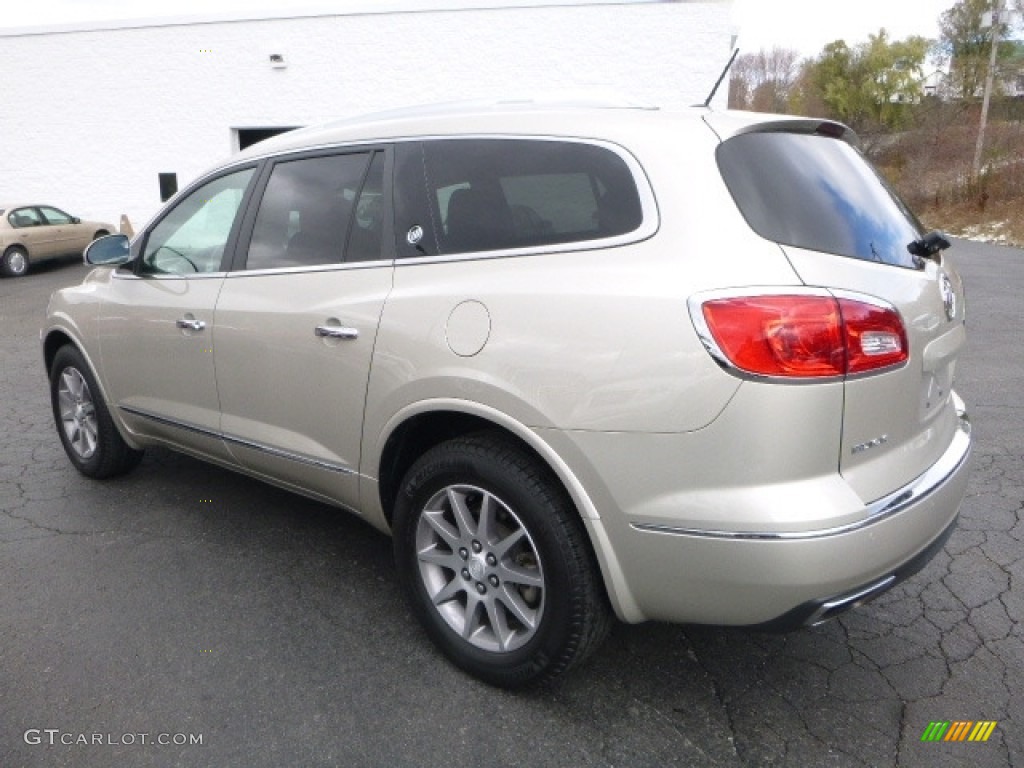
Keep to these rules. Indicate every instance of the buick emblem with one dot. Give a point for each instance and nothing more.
(948, 296)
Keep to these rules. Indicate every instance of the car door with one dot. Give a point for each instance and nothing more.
(39, 239)
(156, 325)
(296, 321)
(62, 231)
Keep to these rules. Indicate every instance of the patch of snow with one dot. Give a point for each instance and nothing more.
(991, 232)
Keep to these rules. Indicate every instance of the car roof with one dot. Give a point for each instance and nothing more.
(611, 119)
(511, 116)
(9, 206)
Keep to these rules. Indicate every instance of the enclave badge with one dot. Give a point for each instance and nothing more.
(948, 296)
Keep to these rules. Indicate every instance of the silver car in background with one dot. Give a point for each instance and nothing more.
(580, 361)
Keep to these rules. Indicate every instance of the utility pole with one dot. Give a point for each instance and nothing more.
(997, 8)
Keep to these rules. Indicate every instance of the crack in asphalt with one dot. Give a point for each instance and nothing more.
(717, 697)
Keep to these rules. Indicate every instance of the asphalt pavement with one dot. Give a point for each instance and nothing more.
(188, 616)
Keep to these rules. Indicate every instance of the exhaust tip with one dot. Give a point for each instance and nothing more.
(837, 605)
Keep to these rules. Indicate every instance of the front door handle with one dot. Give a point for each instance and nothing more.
(335, 332)
(190, 325)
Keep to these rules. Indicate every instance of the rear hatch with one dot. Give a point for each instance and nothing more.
(804, 185)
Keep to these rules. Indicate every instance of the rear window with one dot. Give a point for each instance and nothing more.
(817, 193)
(471, 195)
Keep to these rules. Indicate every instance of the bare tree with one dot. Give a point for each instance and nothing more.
(764, 81)
(741, 82)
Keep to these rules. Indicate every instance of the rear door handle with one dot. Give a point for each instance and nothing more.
(190, 325)
(335, 332)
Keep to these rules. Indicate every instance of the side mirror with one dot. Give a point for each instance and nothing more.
(109, 251)
(75, 220)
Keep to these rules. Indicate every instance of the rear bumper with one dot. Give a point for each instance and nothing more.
(781, 579)
(819, 611)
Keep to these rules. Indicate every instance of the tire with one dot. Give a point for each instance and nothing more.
(83, 422)
(511, 594)
(98, 234)
(14, 262)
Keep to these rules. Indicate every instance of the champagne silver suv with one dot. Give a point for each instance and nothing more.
(579, 361)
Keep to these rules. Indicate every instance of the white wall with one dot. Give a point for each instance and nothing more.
(88, 117)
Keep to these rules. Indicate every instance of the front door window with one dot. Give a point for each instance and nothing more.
(192, 237)
(54, 216)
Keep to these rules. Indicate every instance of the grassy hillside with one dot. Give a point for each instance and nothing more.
(931, 167)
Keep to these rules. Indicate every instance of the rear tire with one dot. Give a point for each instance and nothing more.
(83, 422)
(495, 562)
(14, 262)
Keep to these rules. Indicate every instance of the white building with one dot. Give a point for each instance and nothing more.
(91, 114)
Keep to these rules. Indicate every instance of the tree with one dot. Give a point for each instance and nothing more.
(870, 85)
(764, 81)
(741, 78)
(965, 40)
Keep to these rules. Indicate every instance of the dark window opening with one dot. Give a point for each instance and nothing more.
(249, 136)
(168, 186)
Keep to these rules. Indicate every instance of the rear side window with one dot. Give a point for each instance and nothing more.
(25, 217)
(471, 195)
(817, 193)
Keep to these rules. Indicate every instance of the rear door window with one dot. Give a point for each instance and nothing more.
(320, 210)
(25, 217)
(475, 195)
(817, 193)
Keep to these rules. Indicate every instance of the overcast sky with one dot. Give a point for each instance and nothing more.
(808, 25)
(805, 25)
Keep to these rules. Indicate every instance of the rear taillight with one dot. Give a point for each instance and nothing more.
(802, 335)
(875, 336)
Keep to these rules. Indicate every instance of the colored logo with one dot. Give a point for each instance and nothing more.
(959, 730)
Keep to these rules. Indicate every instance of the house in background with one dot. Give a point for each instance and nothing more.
(1009, 81)
(1012, 79)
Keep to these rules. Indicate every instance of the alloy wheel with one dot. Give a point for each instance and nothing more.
(480, 568)
(78, 413)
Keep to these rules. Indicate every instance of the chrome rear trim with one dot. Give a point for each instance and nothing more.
(831, 608)
(949, 463)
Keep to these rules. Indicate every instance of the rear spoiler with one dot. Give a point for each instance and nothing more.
(735, 123)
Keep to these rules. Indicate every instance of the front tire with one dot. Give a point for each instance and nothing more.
(14, 262)
(83, 422)
(494, 561)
